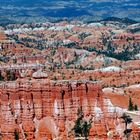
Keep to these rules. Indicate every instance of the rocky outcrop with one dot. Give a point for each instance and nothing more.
(40, 109)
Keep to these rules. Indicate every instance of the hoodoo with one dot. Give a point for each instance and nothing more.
(42, 110)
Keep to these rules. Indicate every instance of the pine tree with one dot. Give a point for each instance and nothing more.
(135, 107)
(82, 127)
(127, 120)
(16, 134)
(130, 106)
(1, 77)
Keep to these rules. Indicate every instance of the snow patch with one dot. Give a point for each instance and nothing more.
(97, 24)
(134, 86)
(137, 56)
(112, 109)
(61, 28)
(106, 90)
(115, 90)
(110, 69)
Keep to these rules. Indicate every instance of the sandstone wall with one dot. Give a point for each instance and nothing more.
(40, 110)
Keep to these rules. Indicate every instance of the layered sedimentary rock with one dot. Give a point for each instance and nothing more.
(39, 109)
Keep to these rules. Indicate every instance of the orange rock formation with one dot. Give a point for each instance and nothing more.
(38, 109)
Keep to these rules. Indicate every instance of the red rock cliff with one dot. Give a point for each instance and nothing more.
(42, 110)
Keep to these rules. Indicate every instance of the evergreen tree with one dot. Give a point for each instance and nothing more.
(130, 106)
(1, 77)
(135, 107)
(16, 134)
(82, 127)
(90, 78)
(127, 120)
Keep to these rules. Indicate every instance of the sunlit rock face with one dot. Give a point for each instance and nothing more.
(41, 109)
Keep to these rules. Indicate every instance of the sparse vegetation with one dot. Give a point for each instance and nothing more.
(82, 126)
(135, 107)
(55, 78)
(127, 120)
(16, 135)
(131, 106)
